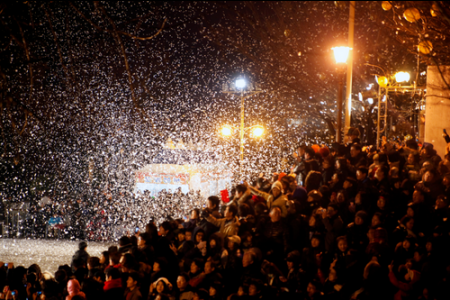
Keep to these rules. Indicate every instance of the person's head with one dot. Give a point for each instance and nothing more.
(199, 236)
(114, 258)
(188, 235)
(381, 203)
(260, 208)
(182, 281)
(244, 210)
(349, 182)
(248, 259)
(129, 263)
(429, 176)
(104, 257)
(382, 173)
(342, 243)
(277, 189)
(328, 162)
(275, 214)
(233, 242)
(197, 265)
(112, 273)
(418, 196)
(209, 267)
(143, 239)
(230, 212)
(376, 220)
(441, 202)
(82, 246)
(315, 241)
(408, 222)
(100, 276)
(240, 190)
(253, 289)
(213, 202)
(194, 214)
(309, 153)
(93, 262)
(312, 288)
(181, 235)
(133, 280)
(407, 243)
(360, 217)
(355, 150)
(332, 210)
(165, 228)
(361, 174)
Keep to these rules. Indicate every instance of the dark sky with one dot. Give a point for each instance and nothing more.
(68, 96)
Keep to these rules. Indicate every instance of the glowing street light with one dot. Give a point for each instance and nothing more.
(341, 54)
(240, 83)
(226, 131)
(258, 131)
(402, 77)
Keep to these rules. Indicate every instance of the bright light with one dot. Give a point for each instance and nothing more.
(226, 131)
(370, 100)
(360, 97)
(258, 131)
(341, 54)
(240, 83)
(402, 77)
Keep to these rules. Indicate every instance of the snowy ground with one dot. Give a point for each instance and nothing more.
(48, 254)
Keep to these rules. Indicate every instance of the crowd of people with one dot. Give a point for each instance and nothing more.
(345, 222)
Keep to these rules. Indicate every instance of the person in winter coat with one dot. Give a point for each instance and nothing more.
(80, 254)
(408, 286)
(333, 226)
(132, 292)
(274, 198)
(230, 224)
(113, 285)
(74, 289)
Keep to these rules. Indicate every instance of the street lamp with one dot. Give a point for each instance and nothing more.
(402, 77)
(239, 88)
(341, 56)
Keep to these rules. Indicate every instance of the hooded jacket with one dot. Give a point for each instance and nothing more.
(74, 289)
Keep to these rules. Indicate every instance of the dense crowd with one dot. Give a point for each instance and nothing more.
(345, 222)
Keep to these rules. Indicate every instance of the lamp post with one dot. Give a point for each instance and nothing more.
(341, 55)
(226, 130)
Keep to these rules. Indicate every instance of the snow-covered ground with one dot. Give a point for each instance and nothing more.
(48, 254)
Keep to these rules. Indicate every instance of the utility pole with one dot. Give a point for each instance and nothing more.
(348, 90)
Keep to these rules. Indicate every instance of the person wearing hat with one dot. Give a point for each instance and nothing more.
(274, 198)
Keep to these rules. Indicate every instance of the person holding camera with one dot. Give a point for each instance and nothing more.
(229, 225)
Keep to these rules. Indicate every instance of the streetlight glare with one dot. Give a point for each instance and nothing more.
(240, 83)
(402, 77)
(258, 131)
(341, 54)
(226, 131)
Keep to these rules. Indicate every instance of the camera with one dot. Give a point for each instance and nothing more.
(13, 293)
(136, 230)
(39, 293)
(6, 265)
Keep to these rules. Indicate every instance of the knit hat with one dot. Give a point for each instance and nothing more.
(168, 284)
(235, 239)
(278, 185)
(281, 175)
(324, 152)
